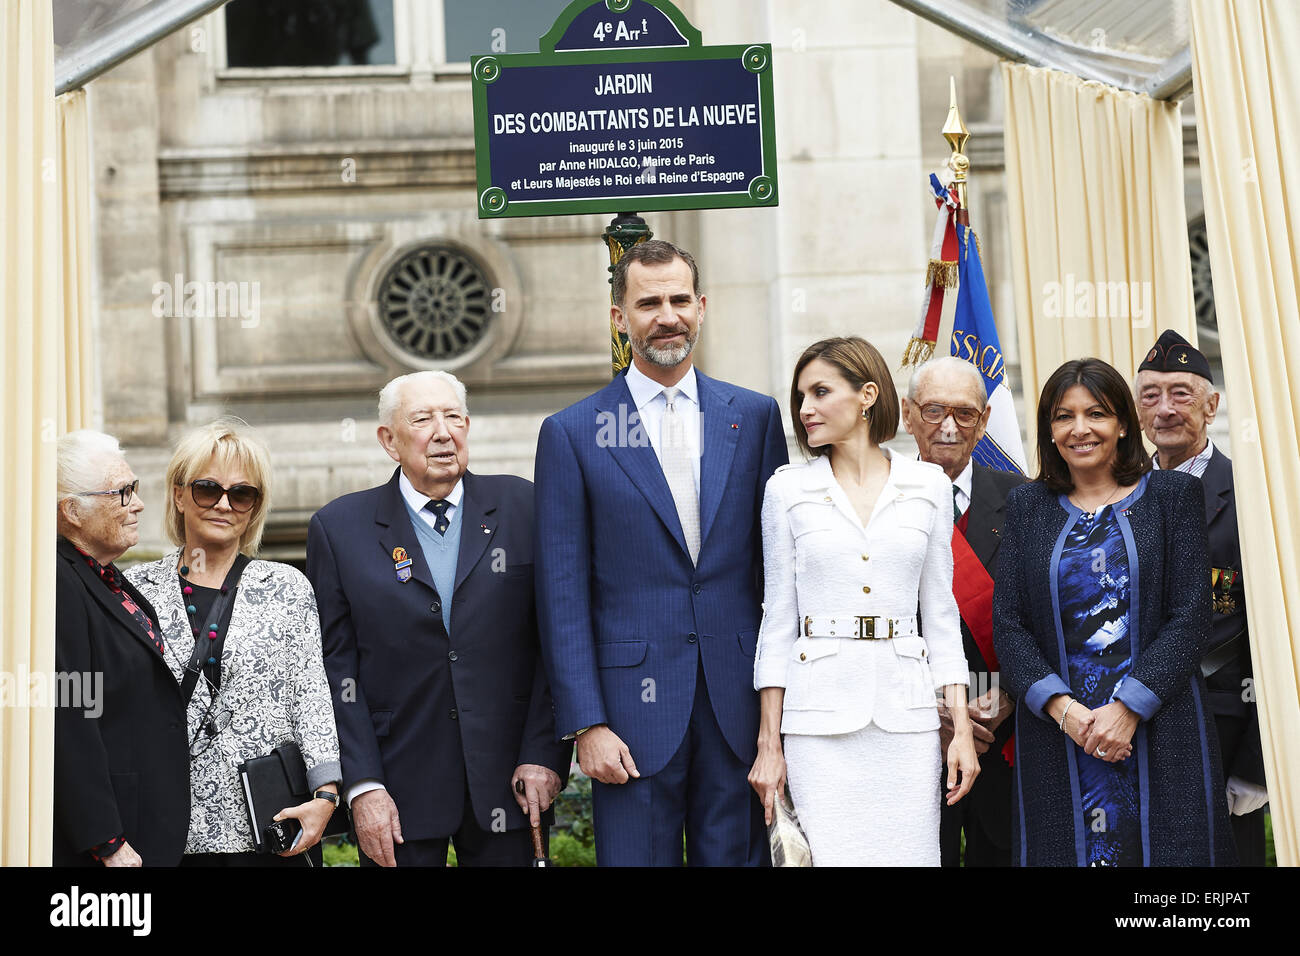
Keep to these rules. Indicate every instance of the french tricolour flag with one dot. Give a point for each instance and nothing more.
(975, 340)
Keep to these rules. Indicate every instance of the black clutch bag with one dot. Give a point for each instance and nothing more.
(271, 784)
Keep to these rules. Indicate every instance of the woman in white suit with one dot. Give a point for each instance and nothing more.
(854, 541)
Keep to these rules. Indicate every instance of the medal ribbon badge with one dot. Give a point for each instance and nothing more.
(1221, 582)
(402, 562)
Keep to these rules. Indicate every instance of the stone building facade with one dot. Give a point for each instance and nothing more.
(321, 203)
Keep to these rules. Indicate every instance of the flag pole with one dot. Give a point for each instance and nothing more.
(941, 271)
(957, 135)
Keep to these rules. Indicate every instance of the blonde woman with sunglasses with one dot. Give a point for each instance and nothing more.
(243, 641)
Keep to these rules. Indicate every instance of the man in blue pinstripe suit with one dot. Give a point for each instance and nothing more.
(649, 581)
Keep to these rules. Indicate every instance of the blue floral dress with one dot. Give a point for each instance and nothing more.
(1094, 581)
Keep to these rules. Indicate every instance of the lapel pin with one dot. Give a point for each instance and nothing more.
(486, 529)
(734, 425)
(402, 562)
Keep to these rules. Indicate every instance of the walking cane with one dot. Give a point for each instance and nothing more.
(539, 853)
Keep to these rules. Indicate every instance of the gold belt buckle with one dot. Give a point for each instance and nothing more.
(867, 628)
(807, 627)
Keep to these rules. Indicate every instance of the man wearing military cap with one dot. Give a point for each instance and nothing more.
(1177, 403)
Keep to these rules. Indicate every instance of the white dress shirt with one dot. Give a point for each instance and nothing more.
(417, 500)
(821, 561)
(961, 486)
(1195, 465)
(647, 395)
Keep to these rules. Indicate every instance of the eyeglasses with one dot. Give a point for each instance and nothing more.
(215, 719)
(206, 493)
(125, 493)
(964, 415)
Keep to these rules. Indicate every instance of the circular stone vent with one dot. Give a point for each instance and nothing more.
(434, 303)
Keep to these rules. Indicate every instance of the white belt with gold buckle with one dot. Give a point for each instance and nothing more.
(859, 627)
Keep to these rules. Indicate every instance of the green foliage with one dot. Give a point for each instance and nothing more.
(573, 810)
(568, 851)
(339, 851)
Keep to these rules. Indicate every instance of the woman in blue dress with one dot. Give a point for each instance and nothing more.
(1100, 615)
(1094, 594)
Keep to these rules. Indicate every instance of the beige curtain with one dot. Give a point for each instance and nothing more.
(1244, 55)
(75, 398)
(1099, 255)
(30, 333)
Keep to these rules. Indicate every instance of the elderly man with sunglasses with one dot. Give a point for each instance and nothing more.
(946, 411)
(121, 771)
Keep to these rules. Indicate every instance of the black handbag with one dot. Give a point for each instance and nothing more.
(271, 784)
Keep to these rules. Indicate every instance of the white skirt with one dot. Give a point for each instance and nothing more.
(868, 798)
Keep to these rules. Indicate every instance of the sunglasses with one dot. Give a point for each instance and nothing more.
(124, 493)
(206, 493)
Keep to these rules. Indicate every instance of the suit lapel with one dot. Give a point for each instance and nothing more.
(719, 432)
(110, 601)
(638, 459)
(1218, 485)
(985, 516)
(477, 513)
(395, 531)
(169, 604)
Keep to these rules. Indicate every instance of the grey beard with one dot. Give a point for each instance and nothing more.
(663, 357)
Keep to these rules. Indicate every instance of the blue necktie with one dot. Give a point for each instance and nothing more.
(439, 508)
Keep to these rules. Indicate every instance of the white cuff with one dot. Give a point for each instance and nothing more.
(362, 786)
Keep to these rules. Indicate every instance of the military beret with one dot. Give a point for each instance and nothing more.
(1173, 353)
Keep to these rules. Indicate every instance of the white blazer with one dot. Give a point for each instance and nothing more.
(819, 561)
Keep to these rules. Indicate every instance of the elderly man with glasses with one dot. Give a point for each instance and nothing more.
(121, 768)
(946, 411)
(1177, 403)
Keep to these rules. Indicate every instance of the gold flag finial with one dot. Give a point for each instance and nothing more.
(957, 135)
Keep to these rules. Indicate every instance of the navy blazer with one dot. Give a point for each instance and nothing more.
(425, 713)
(1238, 719)
(1184, 814)
(121, 766)
(626, 618)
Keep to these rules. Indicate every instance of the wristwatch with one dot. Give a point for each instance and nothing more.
(326, 795)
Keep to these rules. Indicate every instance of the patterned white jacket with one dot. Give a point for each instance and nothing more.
(822, 569)
(273, 686)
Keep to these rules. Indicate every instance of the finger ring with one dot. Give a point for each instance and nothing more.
(1100, 752)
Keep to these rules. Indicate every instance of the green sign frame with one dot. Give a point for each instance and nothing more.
(493, 198)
